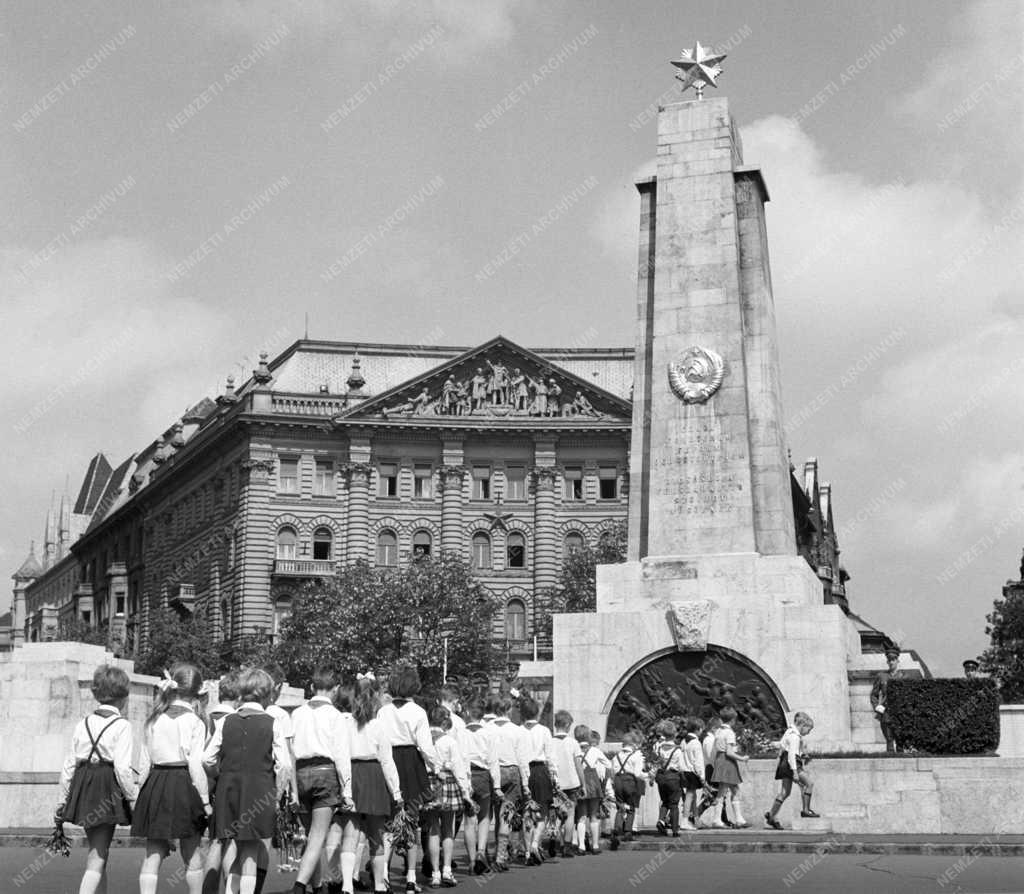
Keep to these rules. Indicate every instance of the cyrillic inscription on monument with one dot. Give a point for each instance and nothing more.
(702, 454)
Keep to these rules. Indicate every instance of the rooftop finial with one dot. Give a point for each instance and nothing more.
(699, 68)
(262, 373)
(355, 378)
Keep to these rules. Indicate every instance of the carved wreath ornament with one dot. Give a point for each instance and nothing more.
(696, 375)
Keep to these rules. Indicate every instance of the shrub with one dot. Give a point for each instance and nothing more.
(958, 716)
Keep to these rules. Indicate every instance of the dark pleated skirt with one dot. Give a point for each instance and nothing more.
(169, 806)
(370, 791)
(246, 806)
(412, 774)
(95, 798)
(727, 771)
(540, 784)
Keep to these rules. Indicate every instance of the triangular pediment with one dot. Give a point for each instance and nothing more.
(499, 381)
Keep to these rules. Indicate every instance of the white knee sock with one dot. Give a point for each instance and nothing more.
(90, 882)
(581, 833)
(194, 880)
(148, 882)
(348, 868)
(247, 885)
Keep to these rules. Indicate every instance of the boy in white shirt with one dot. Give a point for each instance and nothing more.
(568, 759)
(481, 754)
(693, 771)
(513, 760)
(627, 771)
(792, 767)
(323, 768)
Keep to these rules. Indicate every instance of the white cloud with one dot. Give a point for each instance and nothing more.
(384, 27)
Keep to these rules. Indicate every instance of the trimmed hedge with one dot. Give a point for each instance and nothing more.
(956, 716)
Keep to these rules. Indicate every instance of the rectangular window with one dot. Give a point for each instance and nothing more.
(481, 482)
(119, 605)
(288, 475)
(387, 482)
(323, 484)
(573, 483)
(608, 477)
(515, 483)
(423, 482)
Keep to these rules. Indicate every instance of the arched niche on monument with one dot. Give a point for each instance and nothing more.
(674, 685)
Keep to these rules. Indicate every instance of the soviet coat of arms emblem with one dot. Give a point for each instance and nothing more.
(696, 375)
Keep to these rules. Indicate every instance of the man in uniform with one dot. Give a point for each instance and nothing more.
(878, 695)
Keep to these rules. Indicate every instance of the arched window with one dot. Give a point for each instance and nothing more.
(421, 543)
(516, 550)
(481, 551)
(287, 542)
(387, 548)
(323, 544)
(282, 611)
(515, 620)
(573, 543)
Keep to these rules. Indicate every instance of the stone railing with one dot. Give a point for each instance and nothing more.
(306, 405)
(305, 567)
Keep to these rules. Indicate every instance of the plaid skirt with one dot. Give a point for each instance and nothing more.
(446, 793)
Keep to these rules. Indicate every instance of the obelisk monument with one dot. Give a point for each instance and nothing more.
(708, 452)
(713, 566)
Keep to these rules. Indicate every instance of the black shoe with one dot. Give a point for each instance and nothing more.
(809, 814)
(479, 866)
(771, 822)
(661, 827)
(614, 843)
(568, 852)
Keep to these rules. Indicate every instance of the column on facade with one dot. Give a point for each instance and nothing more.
(452, 534)
(251, 600)
(545, 537)
(357, 521)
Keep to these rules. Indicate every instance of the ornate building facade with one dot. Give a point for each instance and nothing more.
(336, 452)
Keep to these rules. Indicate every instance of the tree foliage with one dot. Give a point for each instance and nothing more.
(76, 630)
(577, 586)
(1003, 660)
(171, 639)
(367, 618)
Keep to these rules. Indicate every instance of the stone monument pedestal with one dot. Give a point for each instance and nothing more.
(766, 611)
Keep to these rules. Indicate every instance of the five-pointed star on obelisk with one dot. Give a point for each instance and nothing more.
(698, 68)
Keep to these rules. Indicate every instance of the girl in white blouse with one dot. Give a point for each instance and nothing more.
(174, 799)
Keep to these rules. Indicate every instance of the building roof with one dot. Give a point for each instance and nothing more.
(114, 494)
(91, 492)
(308, 365)
(30, 568)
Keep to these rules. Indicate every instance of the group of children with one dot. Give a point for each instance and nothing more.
(366, 766)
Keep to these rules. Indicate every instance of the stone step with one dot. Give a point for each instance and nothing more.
(801, 824)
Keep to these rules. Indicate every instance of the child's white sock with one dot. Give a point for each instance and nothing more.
(247, 885)
(90, 882)
(348, 868)
(148, 882)
(581, 833)
(194, 880)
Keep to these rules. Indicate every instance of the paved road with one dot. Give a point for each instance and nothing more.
(24, 869)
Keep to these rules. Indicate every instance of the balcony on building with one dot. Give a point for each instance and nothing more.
(183, 598)
(305, 567)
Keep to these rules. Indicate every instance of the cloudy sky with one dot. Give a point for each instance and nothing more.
(185, 181)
